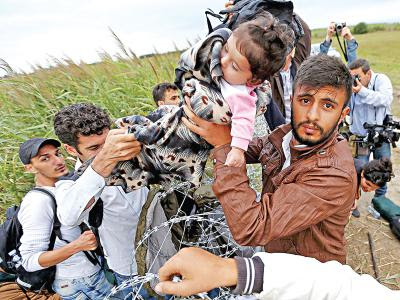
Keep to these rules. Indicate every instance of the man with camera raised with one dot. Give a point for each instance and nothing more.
(370, 103)
(340, 29)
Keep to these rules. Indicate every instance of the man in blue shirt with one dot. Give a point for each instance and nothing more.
(351, 43)
(370, 103)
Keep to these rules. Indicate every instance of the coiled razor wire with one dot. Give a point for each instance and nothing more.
(214, 236)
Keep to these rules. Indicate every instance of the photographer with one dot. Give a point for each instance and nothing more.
(370, 103)
(350, 43)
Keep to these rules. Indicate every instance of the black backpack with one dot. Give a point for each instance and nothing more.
(245, 10)
(10, 257)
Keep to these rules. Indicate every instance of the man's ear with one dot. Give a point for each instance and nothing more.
(161, 102)
(30, 168)
(71, 150)
(344, 113)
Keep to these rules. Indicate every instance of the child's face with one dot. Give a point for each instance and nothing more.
(366, 185)
(235, 66)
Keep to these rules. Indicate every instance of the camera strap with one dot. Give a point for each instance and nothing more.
(342, 48)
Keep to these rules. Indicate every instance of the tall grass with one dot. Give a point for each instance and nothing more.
(122, 85)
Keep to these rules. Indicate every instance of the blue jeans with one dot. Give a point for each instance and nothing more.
(382, 151)
(91, 287)
(128, 294)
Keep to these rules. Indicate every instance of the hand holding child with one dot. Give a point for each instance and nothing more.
(235, 158)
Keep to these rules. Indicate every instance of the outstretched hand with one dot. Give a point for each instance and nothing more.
(200, 271)
(215, 134)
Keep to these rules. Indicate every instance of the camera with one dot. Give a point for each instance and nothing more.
(388, 121)
(340, 26)
(387, 132)
(355, 78)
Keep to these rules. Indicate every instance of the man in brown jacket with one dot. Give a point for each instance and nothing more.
(309, 179)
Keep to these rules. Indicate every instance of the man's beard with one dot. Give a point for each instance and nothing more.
(305, 141)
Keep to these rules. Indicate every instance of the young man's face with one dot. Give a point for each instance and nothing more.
(365, 78)
(171, 97)
(316, 113)
(235, 66)
(48, 163)
(367, 185)
(88, 146)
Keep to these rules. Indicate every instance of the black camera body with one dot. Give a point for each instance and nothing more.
(387, 132)
(355, 78)
(340, 26)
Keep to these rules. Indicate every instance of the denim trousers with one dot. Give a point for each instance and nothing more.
(380, 152)
(92, 287)
(128, 293)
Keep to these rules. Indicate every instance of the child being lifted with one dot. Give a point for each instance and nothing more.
(253, 51)
(224, 77)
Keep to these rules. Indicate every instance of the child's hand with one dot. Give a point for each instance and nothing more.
(235, 158)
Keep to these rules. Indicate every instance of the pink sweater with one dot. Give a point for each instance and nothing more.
(242, 102)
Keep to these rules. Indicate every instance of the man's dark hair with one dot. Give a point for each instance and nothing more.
(360, 63)
(378, 171)
(324, 70)
(265, 42)
(159, 90)
(80, 119)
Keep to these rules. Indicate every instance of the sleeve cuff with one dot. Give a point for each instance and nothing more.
(93, 179)
(240, 143)
(33, 263)
(219, 154)
(363, 92)
(326, 43)
(250, 275)
(352, 44)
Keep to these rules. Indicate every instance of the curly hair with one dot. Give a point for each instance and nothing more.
(80, 119)
(378, 171)
(265, 42)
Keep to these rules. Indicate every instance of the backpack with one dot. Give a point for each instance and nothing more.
(245, 10)
(10, 257)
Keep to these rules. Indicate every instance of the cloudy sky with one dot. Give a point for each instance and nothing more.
(31, 31)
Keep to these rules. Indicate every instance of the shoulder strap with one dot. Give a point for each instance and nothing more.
(56, 223)
(57, 227)
(373, 88)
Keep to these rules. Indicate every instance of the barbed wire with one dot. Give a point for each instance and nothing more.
(204, 227)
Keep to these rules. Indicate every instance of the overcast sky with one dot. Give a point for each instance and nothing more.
(31, 31)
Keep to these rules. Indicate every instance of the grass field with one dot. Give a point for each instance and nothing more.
(28, 102)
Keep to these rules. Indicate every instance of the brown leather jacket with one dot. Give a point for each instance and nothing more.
(304, 208)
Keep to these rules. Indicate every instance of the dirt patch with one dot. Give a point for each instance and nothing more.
(387, 246)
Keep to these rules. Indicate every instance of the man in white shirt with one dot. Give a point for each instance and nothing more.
(85, 130)
(75, 274)
(370, 103)
(270, 276)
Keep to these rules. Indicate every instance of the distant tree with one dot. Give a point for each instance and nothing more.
(360, 28)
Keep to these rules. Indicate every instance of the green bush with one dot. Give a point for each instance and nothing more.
(377, 27)
(360, 28)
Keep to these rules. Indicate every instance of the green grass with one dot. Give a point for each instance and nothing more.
(28, 103)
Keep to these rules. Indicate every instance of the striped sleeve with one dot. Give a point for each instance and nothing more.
(250, 275)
